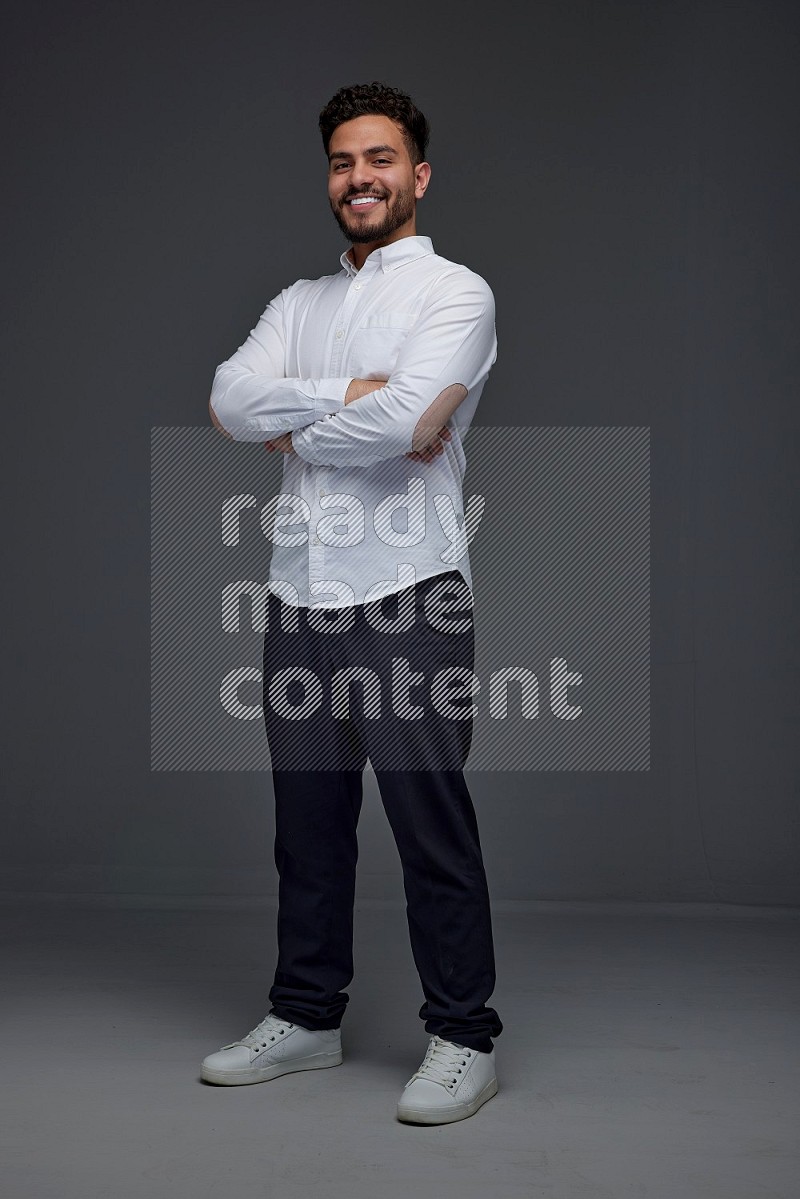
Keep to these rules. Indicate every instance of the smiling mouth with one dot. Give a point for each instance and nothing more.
(366, 203)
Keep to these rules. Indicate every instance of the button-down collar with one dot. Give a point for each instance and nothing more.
(405, 249)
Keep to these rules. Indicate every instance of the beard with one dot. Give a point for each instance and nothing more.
(376, 229)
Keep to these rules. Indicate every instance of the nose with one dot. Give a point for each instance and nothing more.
(361, 176)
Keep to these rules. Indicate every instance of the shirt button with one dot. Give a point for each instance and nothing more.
(322, 491)
(357, 285)
(315, 540)
(340, 332)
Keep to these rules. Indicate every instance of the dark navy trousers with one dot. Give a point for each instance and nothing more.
(390, 686)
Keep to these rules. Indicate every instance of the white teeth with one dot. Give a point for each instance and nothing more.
(364, 200)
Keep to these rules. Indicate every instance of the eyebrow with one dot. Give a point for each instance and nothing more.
(371, 150)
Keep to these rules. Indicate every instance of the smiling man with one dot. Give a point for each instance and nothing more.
(367, 380)
(374, 213)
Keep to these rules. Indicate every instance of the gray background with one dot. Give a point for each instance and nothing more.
(624, 176)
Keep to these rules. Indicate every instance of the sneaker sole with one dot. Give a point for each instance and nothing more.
(412, 1115)
(240, 1078)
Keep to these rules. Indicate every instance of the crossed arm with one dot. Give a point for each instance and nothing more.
(356, 389)
(447, 353)
(427, 443)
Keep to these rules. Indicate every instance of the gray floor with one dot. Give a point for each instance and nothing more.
(648, 1050)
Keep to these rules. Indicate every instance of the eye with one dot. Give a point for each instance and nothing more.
(386, 160)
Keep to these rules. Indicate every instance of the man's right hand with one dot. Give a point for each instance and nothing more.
(215, 421)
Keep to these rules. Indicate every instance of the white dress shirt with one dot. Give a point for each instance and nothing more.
(356, 519)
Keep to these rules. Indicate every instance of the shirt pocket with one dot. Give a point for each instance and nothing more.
(376, 343)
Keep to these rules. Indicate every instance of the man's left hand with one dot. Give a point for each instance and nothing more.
(282, 443)
(432, 448)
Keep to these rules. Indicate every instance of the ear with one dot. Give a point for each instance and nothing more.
(422, 175)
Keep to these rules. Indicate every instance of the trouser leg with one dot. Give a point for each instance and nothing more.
(419, 767)
(317, 767)
(447, 902)
(316, 849)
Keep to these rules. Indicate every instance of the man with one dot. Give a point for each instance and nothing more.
(367, 381)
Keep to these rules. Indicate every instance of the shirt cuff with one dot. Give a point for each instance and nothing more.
(330, 397)
(301, 447)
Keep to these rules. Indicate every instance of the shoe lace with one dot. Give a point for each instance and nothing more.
(270, 1028)
(443, 1062)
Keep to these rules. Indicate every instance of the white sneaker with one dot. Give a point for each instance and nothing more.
(272, 1048)
(451, 1084)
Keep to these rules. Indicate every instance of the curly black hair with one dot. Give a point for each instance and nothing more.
(363, 99)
